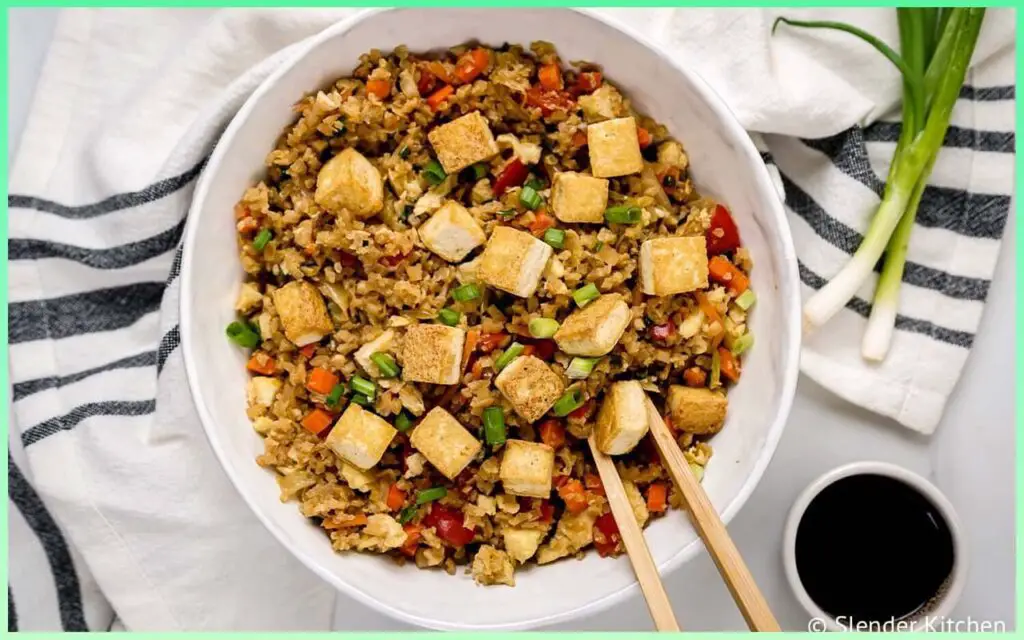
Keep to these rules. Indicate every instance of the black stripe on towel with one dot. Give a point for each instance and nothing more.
(903, 323)
(65, 579)
(168, 344)
(175, 266)
(70, 420)
(846, 239)
(12, 612)
(958, 137)
(28, 387)
(117, 257)
(99, 310)
(116, 202)
(988, 94)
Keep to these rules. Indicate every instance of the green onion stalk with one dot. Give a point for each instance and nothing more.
(936, 46)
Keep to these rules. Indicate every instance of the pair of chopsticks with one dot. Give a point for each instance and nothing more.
(705, 520)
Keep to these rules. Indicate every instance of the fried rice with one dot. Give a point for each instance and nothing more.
(366, 296)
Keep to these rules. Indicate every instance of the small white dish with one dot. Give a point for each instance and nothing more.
(940, 608)
(725, 165)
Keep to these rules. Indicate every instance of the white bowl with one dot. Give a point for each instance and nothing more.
(725, 165)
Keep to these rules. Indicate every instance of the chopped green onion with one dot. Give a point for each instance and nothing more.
(698, 471)
(716, 370)
(406, 210)
(514, 351)
(334, 397)
(535, 184)
(466, 292)
(599, 246)
(362, 400)
(387, 365)
(580, 368)
(403, 153)
(543, 327)
(242, 334)
(529, 198)
(623, 214)
(508, 213)
(555, 238)
(403, 421)
(570, 401)
(584, 295)
(361, 385)
(407, 514)
(746, 299)
(479, 171)
(494, 426)
(429, 495)
(434, 173)
(449, 317)
(261, 239)
(742, 343)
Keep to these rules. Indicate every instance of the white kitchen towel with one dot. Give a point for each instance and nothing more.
(129, 106)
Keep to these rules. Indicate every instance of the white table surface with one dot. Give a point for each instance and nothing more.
(970, 458)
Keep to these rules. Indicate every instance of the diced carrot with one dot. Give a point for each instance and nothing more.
(548, 101)
(396, 497)
(308, 350)
(529, 350)
(426, 82)
(710, 312)
(587, 82)
(241, 211)
(724, 272)
(657, 497)
(316, 421)
(579, 139)
(488, 342)
(358, 520)
(574, 496)
(550, 77)
(247, 225)
(552, 433)
(730, 366)
(541, 222)
(439, 96)
(477, 369)
(643, 137)
(378, 88)
(412, 539)
(593, 483)
(321, 380)
(695, 377)
(472, 64)
(262, 364)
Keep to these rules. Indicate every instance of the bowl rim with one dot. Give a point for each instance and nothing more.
(791, 331)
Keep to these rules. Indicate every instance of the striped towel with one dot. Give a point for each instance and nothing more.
(122, 517)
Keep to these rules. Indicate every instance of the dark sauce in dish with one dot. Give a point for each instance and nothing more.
(872, 548)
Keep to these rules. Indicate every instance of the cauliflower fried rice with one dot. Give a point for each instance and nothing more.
(458, 267)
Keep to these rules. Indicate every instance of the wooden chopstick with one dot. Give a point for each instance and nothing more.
(633, 539)
(709, 526)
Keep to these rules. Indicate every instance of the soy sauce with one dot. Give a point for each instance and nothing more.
(872, 548)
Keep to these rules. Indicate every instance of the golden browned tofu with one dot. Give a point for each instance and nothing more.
(350, 182)
(303, 313)
(622, 420)
(513, 261)
(696, 409)
(595, 329)
(614, 148)
(530, 385)
(452, 232)
(526, 468)
(462, 142)
(577, 197)
(444, 442)
(360, 437)
(432, 353)
(673, 265)
(492, 566)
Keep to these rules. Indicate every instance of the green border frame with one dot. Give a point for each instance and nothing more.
(1018, 290)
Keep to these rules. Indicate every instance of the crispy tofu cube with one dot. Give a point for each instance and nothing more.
(444, 442)
(350, 182)
(530, 385)
(491, 566)
(513, 261)
(452, 232)
(526, 468)
(696, 410)
(622, 420)
(521, 544)
(673, 265)
(249, 297)
(384, 343)
(262, 390)
(303, 313)
(577, 197)
(614, 148)
(432, 353)
(360, 437)
(462, 142)
(595, 329)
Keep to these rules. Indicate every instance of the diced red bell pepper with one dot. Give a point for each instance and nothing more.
(490, 341)
(586, 82)
(542, 348)
(664, 331)
(548, 100)
(449, 524)
(606, 535)
(513, 175)
(547, 511)
(583, 411)
(427, 81)
(348, 260)
(722, 236)
(552, 433)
